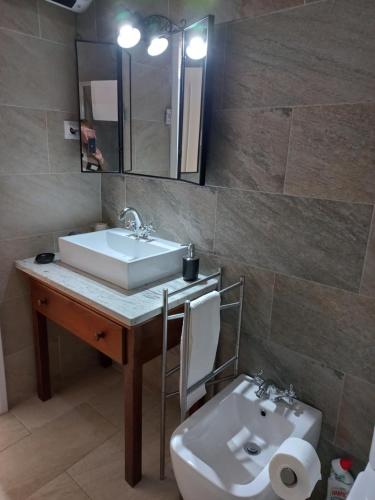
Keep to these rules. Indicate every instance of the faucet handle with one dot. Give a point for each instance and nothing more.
(287, 395)
(258, 376)
(291, 394)
(131, 225)
(150, 228)
(146, 230)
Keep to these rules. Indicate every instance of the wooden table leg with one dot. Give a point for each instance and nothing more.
(133, 411)
(41, 356)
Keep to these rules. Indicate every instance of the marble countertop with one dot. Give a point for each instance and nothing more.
(130, 307)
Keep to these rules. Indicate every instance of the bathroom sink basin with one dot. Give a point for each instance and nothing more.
(116, 256)
(223, 450)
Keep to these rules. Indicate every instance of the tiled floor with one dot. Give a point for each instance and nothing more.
(71, 447)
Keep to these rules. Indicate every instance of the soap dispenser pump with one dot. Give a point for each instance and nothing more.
(190, 266)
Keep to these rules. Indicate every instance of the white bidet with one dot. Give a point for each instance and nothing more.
(222, 452)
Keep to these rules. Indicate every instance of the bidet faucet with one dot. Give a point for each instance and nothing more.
(267, 389)
(140, 230)
(288, 395)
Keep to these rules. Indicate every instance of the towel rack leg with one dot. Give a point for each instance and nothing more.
(163, 384)
(239, 324)
(185, 362)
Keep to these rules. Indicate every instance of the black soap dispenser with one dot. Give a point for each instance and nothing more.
(190, 266)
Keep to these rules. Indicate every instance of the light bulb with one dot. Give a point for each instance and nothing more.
(128, 36)
(157, 46)
(197, 48)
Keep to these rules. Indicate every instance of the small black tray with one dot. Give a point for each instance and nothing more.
(44, 258)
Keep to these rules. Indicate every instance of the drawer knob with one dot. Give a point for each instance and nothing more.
(41, 302)
(99, 335)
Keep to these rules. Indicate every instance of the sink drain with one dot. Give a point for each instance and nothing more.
(251, 448)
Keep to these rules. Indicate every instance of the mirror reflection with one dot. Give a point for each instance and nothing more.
(169, 101)
(100, 86)
(145, 110)
(195, 101)
(152, 110)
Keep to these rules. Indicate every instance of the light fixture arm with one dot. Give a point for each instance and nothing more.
(158, 25)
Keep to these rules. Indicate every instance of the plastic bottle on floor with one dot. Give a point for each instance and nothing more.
(340, 481)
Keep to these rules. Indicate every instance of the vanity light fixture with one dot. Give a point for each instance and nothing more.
(129, 36)
(157, 46)
(154, 30)
(196, 48)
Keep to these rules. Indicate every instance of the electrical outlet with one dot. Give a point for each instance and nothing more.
(71, 130)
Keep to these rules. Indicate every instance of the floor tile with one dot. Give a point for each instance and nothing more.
(80, 388)
(110, 402)
(11, 430)
(61, 488)
(101, 475)
(35, 413)
(50, 450)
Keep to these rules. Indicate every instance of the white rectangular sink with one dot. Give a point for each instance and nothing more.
(116, 256)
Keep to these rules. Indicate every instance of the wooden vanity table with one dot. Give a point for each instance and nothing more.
(124, 325)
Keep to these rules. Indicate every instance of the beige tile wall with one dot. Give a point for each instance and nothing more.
(42, 193)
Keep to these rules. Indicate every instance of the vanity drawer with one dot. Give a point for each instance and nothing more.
(94, 329)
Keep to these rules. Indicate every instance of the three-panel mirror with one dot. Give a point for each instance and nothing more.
(146, 115)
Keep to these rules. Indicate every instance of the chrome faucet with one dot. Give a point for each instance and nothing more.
(267, 389)
(137, 221)
(137, 226)
(287, 395)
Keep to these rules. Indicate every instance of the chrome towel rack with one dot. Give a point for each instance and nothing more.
(185, 390)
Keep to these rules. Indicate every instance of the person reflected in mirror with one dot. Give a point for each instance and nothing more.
(92, 157)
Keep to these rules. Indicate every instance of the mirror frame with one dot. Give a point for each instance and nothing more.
(120, 111)
(206, 102)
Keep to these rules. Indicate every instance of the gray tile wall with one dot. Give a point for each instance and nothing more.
(42, 193)
(289, 198)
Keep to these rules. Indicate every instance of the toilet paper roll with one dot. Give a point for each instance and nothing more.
(294, 470)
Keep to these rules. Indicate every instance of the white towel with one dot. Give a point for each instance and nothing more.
(3, 390)
(203, 342)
